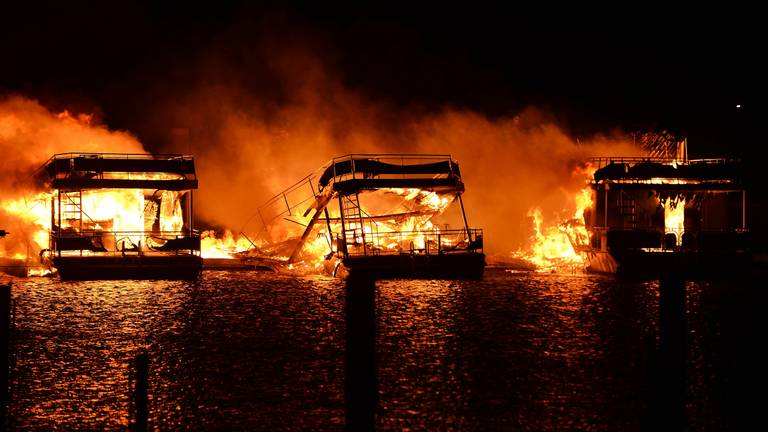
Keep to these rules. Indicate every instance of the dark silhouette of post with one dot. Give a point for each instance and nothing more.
(140, 399)
(360, 389)
(670, 365)
(5, 355)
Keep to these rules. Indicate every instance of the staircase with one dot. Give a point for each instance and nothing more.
(353, 220)
(72, 209)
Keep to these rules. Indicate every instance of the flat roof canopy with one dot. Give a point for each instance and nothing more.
(102, 170)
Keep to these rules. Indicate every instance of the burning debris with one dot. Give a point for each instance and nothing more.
(558, 247)
(386, 220)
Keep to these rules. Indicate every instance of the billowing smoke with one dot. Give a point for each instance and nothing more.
(250, 148)
(29, 135)
(261, 115)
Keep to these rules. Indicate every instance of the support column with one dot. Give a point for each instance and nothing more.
(360, 384)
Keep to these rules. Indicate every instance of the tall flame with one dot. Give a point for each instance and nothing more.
(555, 246)
(674, 218)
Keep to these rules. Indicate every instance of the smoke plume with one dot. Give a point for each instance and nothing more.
(29, 135)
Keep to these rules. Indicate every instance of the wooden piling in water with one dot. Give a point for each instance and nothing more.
(361, 388)
(673, 349)
(5, 355)
(141, 387)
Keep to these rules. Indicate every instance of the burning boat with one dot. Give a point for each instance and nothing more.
(374, 215)
(655, 216)
(122, 216)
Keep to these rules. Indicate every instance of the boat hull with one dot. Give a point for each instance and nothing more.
(178, 267)
(657, 264)
(406, 266)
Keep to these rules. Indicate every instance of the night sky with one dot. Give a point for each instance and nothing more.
(643, 66)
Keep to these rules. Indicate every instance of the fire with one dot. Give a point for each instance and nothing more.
(392, 219)
(34, 211)
(674, 218)
(222, 247)
(556, 246)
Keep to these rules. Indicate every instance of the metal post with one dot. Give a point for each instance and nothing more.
(330, 231)
(744, 209)
(605, 214)
(53, 224)
(287, 206)
(59, 207)
(191, 211)
(343, 226)
(360, 221)
(5, 355)
(464, 215)
(140, 400)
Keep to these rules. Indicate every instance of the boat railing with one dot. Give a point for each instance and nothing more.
(89, 170)
(102, 242)
(430, 242)
(300, 197)
(600, 162)
(403, 165)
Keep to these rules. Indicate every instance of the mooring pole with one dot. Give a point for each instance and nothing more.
(5, 355)
(360, 387)
(140, 400)
(671, 364)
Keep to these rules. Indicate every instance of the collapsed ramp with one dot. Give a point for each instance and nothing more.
(381, 215)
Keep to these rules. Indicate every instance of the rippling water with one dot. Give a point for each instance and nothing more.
(259, 351)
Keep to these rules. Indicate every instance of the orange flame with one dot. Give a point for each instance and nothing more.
(222, 247)
(674, 218)
(555, 247)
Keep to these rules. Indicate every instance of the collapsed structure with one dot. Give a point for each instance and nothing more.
(374, 215)
(118, 216)
(658, 216)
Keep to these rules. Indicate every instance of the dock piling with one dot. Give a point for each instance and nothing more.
(361, 387)
(140, 399)
(5, 355)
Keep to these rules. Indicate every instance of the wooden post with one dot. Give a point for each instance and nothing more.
(360, 389)
(140, 399)
(671, 364)
(744, 209)
(5, 355)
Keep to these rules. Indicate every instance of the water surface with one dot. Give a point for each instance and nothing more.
(260, 351)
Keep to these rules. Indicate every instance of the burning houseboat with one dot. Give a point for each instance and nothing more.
(122, 216)
(380, 215)
(657, 216)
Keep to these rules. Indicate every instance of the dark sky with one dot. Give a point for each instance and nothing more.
(641, 66)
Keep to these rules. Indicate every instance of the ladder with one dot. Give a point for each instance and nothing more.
(72, 209)
(353, 220)
(627, 210)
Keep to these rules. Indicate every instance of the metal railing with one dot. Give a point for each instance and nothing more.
(403, 160)
(600, 162)
(412, 242)
(302, 193)
(93, 242)
(169, 157)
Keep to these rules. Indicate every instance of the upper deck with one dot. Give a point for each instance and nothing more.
(74, 171)
(669, 174)
(357, 172)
